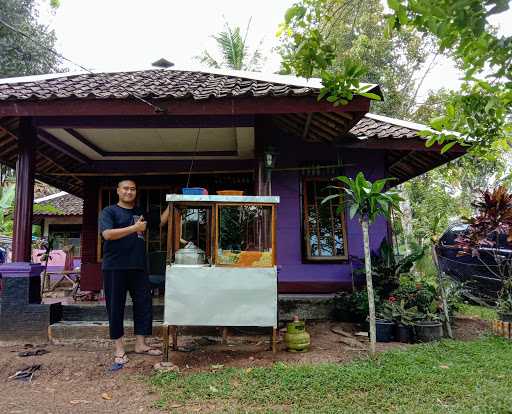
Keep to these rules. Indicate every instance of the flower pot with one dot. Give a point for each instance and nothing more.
(385, 330)
(505, 316)
(404, 333)
(428, 331)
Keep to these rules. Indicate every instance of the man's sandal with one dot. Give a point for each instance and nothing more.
(121, 359)
(150, 351)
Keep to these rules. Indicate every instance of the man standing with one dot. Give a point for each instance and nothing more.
(123, 227)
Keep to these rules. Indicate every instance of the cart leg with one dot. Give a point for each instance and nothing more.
(166, 342)
(225, 334)
(174, 333)
(274, 340)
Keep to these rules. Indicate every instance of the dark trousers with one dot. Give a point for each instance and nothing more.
(116, 283)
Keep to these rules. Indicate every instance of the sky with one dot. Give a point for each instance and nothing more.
(131, 34)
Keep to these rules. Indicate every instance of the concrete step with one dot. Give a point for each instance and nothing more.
(308, 307)
(98, 312)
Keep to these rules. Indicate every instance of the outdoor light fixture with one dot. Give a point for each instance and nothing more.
(269, 158)
(269, 161)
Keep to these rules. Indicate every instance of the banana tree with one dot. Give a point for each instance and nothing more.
(368, 201)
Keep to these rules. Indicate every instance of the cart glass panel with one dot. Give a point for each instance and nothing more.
(191, 231)
(244, 236)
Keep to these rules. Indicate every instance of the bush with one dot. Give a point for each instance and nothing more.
(416, 294)
(351, 306)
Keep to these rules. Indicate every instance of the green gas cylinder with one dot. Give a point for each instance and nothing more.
(296, 338)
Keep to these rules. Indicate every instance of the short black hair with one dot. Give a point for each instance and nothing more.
(123, 179)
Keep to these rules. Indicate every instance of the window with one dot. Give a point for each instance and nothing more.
(324, 228)
(245, 236)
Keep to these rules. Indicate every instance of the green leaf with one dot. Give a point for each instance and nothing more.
(394, 4)
(431, 141)
(438, 123)
(353, 210)
(448, 146)
(370, 95)
(329, 197)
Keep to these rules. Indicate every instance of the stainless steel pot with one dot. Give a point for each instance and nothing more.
(190, 255)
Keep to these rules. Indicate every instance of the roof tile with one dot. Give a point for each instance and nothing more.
(158, 83)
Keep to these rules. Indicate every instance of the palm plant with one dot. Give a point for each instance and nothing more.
(233, 48)
(368, 201)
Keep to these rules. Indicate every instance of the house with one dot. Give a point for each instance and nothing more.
(263, 134)
(61, 220)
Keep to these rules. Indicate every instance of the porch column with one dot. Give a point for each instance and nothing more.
(22, 316)
(22, 229)
(90, 278)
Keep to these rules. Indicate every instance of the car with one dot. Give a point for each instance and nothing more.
(481, 273)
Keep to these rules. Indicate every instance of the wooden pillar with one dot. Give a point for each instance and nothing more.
(25, 170)
(90, 268)
(261, 132)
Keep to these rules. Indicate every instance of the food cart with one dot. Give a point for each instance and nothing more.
(221, 263)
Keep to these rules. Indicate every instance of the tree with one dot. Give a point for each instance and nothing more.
(480, 111)
(352, 30)
(6, 203)
(19, 55)
(234, 51)
(368, 201)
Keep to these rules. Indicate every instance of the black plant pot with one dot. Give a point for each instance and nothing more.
(428, 331)
(404, 334)
(505, 316)
(385, 330)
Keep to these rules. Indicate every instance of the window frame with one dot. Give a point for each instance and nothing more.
(306, 251)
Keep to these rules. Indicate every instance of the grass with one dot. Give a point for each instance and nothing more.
(448, 377)
(481, 312)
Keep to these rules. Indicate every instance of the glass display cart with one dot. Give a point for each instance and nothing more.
(221, 263)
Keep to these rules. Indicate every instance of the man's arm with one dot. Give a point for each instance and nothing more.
(164, 217)
(116, 234)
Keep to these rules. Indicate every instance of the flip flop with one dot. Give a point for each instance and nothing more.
(116, 367)
(151, 352)
(121, 359)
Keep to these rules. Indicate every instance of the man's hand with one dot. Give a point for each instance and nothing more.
(116, 234)
(140, 225)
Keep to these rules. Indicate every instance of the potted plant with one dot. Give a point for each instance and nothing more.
(404, 319)
(428, 328)
(384, 324)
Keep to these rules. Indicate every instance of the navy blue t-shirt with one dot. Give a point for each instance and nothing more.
(128, 252)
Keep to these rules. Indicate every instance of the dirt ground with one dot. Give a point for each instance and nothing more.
(76, 378)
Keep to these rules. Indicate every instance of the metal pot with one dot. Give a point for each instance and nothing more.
(190, 255)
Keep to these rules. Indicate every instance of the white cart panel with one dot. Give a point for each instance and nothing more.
(220, 296)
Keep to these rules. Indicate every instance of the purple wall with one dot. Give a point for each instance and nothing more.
(303, 277)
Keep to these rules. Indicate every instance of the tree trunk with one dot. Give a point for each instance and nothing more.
(406, 218)
(369, 284)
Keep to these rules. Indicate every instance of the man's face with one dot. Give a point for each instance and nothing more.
(127, 191)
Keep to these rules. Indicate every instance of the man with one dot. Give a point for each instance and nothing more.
(122, 227)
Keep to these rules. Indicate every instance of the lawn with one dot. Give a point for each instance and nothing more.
(448, 377)
(487, 314)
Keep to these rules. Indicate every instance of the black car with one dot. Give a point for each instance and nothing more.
(481, 274)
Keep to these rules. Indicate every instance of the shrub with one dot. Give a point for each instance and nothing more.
(351, 306)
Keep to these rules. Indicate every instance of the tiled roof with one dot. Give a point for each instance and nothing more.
(66, 205)
(155, 83)
(377, 126)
